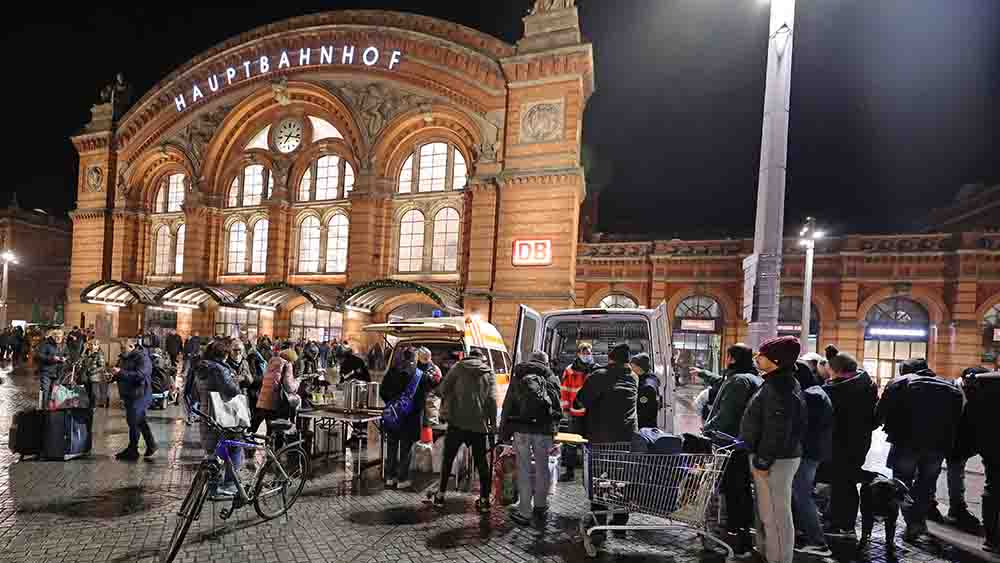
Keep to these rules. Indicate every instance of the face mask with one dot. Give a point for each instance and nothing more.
(587, 359)
(636, 371)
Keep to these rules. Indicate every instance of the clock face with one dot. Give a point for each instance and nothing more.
(289, 134)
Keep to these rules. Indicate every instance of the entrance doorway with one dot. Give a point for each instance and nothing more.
(790, 321)
(896, 330)
(697, 336)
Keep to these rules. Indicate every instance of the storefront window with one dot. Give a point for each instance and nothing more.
(790, 321)
(159, 321)
(697, 336)
(991, 333)
(897, 330)
(237, 323)
(310, 323)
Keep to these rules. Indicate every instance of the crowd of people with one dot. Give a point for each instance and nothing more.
(808, 421)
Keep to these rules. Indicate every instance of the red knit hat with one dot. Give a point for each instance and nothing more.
(783, 350)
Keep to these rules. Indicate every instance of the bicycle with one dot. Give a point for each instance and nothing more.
(282, 477)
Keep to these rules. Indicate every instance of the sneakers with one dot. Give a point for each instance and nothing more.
(817, 550)
(437, 501)
(224, 492)
(741, 544)
(934, 515)
(519, 518)
(390, 483)
(127, 455)
(965, 520)
(567, 477)
(841, 533)
(914, 532)
(150, 452)
(404, 485)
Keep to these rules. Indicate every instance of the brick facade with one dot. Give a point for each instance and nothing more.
(36, 287)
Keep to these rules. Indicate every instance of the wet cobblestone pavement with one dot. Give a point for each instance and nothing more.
(98, 509)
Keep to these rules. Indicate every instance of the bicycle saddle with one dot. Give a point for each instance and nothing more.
(281, 425)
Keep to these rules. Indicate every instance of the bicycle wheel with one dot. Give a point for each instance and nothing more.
(188, 513)
(279, 484)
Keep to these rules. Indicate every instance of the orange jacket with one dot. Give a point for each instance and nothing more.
(573, 379)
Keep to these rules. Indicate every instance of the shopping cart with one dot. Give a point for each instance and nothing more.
(676, 488)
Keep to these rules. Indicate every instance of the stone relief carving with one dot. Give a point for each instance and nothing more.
(95, 178)
(542, 122)
(550, 5)
(376, 104)
(196, 136)
(280, 89)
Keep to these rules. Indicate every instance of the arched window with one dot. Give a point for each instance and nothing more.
(992, 316)
(618, 301)
(247, 188)
(411, 242)
(170, 196)
(309, 235)
(237, 255)
(162, 265)
(314, 324)
(897, 329)
(179, 262)
(434, 167)
(259, 251)
(698, 307)
(336, 244)
(328, 177)
(445, 252)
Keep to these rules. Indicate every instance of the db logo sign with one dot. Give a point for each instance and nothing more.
(532, 252)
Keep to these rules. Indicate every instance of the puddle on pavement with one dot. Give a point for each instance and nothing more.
(112, 504)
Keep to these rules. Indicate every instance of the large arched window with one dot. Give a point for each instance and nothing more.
(411, 242)
(896, 330)
(162, 265)
(179, 254)
(170, 196)
(433, 167)
(444, 257)
(259, 250)
(314, 324)
(618, 301)
(309, 237)
(336, 244)
(697, 334)
(247, 188)
(236, 260)
(328, 177)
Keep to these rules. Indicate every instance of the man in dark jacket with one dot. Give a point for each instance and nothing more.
(192, 350)
(980, 420)
(531, 415)
(174, 346)
(469, 397)
(649, 404)
(51, 359)
(740, 383)
(919, 442)
(610, 395)
(772, 429)
(400, 442)
(135, 389)
(817, 447)
(853, 394)
(353, 368)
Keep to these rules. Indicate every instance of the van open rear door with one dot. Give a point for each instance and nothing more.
(527, 338)
(662, 364)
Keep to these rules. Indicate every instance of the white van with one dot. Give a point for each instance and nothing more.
(559, 332)
(450, 339)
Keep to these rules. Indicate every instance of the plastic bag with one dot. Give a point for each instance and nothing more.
(233, 413)
(505, 476)
(422, 458)
(432, 410)
(69, 397)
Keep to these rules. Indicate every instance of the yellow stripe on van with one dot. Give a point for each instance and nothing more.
(503, 379)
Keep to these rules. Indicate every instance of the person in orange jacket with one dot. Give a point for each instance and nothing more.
(573, 378)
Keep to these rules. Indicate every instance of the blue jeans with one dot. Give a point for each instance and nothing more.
(537, 446)
(804, 509)
(919, 471)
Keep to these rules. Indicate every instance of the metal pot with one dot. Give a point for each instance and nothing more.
(374, 400)
(357, 396)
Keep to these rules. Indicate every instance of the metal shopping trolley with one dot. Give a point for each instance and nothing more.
(676, 488)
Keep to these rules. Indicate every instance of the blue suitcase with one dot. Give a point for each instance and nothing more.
(27, 432)
(67, 434)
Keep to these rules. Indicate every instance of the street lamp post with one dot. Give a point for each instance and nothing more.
(809, 236)
(8, 258)
(765, 274)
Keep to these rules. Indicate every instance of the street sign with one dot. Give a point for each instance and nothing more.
(749, 286)
(532, 252)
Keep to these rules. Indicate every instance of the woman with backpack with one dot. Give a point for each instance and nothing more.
(405, 389)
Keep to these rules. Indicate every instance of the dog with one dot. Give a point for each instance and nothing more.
(881, 498)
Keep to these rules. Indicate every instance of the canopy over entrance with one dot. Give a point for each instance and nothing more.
(195, 295)
(370, 296)
(273, 295)
(119, 294)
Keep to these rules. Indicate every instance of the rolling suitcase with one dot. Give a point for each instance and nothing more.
(67, 434)
(26, 433)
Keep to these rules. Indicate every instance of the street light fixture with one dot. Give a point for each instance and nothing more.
(807, 238)
(8, 258)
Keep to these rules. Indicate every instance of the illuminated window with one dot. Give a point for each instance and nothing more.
(434, 167)
(260, 140)
(305, 187)
(179, 263)
(348, 179)
(234, 194)
(175, 194)
(237, 323)
(259, 252)
(253, 185)
(309, 235)
(162, 266)
(310, 323)
(237, 255)
(336, 244)
(411, 242)
(325, 177)
(323, 129)
(618, 301)
(445, 255)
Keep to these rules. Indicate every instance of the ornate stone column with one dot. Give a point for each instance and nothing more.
(280, 227)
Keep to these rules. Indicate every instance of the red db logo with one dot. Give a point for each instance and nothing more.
(532, 252)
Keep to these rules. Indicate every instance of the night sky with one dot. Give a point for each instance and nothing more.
(895, 103)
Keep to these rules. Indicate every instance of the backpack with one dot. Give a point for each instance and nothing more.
(399, 410)
(536, 404)
(163, 371)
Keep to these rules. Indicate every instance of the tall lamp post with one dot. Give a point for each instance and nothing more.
(8, 259)
(763, 269)
(808, 237)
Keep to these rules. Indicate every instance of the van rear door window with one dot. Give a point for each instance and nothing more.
(562, 340)
(499, 365)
